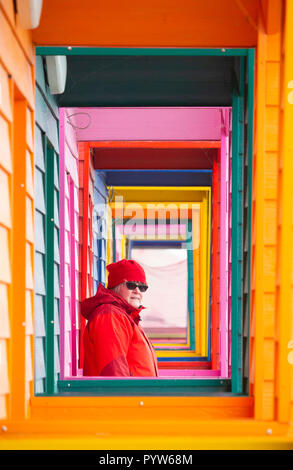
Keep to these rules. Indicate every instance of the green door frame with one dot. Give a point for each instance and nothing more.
(191, 313)
(178, 386)
(49, 153)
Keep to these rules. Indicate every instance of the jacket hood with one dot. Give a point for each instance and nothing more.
(107, 296)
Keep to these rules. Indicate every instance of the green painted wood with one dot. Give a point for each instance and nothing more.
(237, 234)
(47, 255)
(56, 208)
(245, 242)
(154, 387)
(40, 252)
(173, 83)
(147, 81)
(113, 240)
(190, 274)
(190, 263)
(56, 360)
(56, 274)
(140, 51)
(121, 76)
(50, 282)
(56, 172)
(176, 386)
(250, 104)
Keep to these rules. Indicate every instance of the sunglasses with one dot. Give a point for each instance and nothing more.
(133, 285)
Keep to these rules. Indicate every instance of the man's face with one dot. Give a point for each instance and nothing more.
(133, 297)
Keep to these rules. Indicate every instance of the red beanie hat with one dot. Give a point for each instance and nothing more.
(125, 270)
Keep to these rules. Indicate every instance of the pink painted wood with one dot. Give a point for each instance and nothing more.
(186, 373)
(154, 124)
(68, 176)
(72, 277)
(159, 123)
(224, 243)
(199, 373)
(229, 252)
(62, 237)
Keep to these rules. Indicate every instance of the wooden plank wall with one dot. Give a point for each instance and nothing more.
(46, 134)
(86, 245)
(284, 280)
(264, 209)
(215, 326)
(147, 24)
(71, 258)
(6, 117)
(271, 322)
(91, 222)
(100, 231)
(16, 214)
(230, 250)
(40, 250)
(246, 293)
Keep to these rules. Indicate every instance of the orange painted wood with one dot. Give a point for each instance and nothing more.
(5, 145)
(15, 61)
(161, 408)
(29, 220)
(29, 277)
(5, 261)
(270, 174)
(29, 327)
(19, 265)
(262, 410)
(264, 339)
(23, 36)
(4, 315)
(5, 101)
(29, 175)
(5, 205)
(117, 430)
(29, 130)
(284, 279)
(7, 7)
(4, 377)
(147, 23)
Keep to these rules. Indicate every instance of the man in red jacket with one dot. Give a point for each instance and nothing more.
(114, 342)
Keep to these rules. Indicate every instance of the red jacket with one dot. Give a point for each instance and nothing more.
(114, 343)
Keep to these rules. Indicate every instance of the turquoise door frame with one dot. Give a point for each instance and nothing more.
(177, 386)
